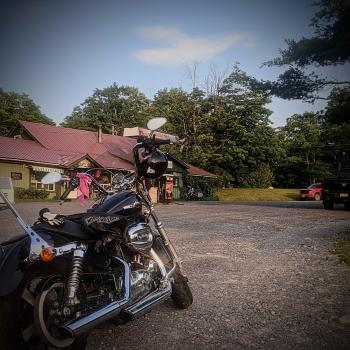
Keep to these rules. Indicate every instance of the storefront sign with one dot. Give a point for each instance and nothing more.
(85, 163)
(46, 170)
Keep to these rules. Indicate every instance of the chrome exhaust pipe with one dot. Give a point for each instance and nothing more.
(144, 305)
(92, 319)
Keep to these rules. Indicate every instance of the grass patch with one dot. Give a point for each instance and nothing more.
(341, 248)
(258, 194)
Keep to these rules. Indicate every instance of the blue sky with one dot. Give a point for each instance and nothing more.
(58, 52)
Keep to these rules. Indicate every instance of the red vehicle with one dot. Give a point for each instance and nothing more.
(314, 191)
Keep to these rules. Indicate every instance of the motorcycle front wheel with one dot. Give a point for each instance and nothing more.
(181, 292)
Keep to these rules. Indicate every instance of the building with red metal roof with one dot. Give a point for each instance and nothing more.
(36, 149)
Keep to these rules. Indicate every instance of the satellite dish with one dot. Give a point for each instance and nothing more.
(51, 178)
(156, 123)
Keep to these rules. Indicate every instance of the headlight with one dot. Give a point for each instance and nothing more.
(139, 236)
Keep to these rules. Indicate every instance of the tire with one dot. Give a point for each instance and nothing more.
(17, 317)
(181, 292)
(317, 197)
(328, 204)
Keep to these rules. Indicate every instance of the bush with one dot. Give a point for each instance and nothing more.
(30, 193)
(214, 197)
(261, 177)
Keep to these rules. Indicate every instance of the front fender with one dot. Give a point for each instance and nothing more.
(13, 255)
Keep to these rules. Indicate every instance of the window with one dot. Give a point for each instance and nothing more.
(40, 186)
(315, 186)
(16, 176)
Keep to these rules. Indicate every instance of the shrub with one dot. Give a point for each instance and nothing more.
(214, 197)
(30, 193)
(261, 177)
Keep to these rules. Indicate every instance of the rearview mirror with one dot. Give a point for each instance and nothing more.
(51, 178)
(156, 123)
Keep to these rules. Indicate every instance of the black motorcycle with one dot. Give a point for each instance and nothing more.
(192, 194)
(68, 274)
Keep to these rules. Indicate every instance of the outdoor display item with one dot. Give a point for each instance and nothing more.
(68, 274)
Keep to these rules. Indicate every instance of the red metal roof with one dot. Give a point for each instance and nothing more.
(193, 170)
(113, 152)
(65, 146)
(28, 150)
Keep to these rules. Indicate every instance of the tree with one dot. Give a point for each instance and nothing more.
(336, 125)
(14, 107)
(118, 106)
(235, 134)
(182, 111)
(330, 43)
(338, 107)
(305, 148)
(261, 177)
(328, 46)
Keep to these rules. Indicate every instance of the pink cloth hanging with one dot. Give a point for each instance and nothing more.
(84, 186)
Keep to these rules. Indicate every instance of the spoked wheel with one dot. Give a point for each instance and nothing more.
(48, 315)
(29, 321)
(181, 292)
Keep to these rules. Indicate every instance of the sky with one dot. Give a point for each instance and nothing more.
(58, 52)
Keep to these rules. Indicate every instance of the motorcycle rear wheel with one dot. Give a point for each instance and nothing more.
(181, 292)
(17, 326)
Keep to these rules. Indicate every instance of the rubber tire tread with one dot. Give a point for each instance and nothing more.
(181, 292)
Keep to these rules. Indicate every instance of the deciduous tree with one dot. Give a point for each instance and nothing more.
(14, 107)
(118, 106)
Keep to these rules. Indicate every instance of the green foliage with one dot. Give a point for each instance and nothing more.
(338, 107)
(328, 46)
(183, 112)
(330, 43)
(14, 107)
(213, 197)
(30, 193)
(259, 178)
(237, 137)
(304, 145)
(121, 106)
(205, 185)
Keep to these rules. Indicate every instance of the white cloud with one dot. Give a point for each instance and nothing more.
(179, 47)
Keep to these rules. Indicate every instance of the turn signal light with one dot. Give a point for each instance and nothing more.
(47, 255)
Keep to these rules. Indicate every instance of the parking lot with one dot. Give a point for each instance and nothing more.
(261, 275)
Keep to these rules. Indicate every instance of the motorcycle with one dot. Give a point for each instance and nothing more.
(68, 274)
(193, 194)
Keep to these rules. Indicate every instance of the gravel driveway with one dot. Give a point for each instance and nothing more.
(261, 275)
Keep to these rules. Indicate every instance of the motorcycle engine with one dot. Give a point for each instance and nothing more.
(142, 278)
(139, 237)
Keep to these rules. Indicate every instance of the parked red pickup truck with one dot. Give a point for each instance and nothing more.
(314, 191)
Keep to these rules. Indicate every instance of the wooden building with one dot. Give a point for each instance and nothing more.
(36, 149)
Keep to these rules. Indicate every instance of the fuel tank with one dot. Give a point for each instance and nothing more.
(125, 203)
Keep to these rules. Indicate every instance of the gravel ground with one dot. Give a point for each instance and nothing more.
(261, 276)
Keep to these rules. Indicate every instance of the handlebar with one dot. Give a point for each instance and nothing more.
(153, 140)
(73, 183)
